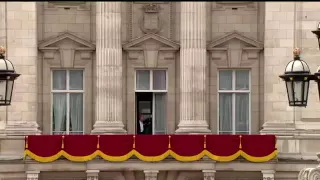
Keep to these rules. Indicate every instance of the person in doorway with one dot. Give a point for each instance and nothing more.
(144, 125)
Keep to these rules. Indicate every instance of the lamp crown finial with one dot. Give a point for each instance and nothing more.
(2, 50)
(296, 52)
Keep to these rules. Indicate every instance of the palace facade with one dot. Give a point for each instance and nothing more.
(157, 68)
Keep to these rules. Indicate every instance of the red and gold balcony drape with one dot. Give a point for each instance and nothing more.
(151, 148)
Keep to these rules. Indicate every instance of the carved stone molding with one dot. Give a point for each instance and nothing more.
(268, 174)
(208, 174)
(79, 5)
(151, 175)
(92, 174)
(33, 175)
(151, 21)
(234, 50)
(224, 5)
(66, 50)
(151, 48)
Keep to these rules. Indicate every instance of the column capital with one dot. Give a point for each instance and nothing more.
(268, 174)
(151, 174)
(92, 174)
(209, 174)
(32, 175)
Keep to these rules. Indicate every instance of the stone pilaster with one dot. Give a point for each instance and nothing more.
(278, 47)
(33, 175)
(108, 109)
(22, 51)
(150, 175)
(208, 174)
(92, 174)
(193, 62)
(268, 174)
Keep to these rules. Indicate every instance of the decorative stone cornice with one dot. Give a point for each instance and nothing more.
(253, 44)
(151, 8)
(166, 44)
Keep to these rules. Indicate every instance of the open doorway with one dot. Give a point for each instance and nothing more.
(151, 102)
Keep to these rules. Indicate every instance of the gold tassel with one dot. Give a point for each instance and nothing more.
(26, 142)
(240, 146)
(62, 144)
(205, 142)
(98, 144)
(169, 145)
(134, 141)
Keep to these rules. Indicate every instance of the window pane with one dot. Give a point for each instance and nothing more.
(76, 80)
(76, 113)
(9, 90)
(225, 80)
(160, 113)
(59, 80)
(242, 113)
(59, 113)
(242, 80)
(143, 80)
(225, 113)
(159, 80)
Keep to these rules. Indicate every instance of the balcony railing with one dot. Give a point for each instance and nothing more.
(151, 148)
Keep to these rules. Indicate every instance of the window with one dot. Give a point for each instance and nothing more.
(234, 106)
(151, 93)
(67, 101)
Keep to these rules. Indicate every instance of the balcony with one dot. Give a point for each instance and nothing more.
(151, 148)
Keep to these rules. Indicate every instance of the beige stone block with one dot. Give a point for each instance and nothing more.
(287, 7)
(290, 33)
(59, 27)
(33, 17)
(30, 25)
(10, 15)
(309, 25)
(29, 79)
(28, 6)
(286, 25)
(279, 16)
(21, 51)
(32, 34)
(14, 116)
(14, 24)
(14, 6)
(272, 7)
(29, 116)
(51, 19)
(21, 15)
(290, 16)
(67, 19)
(219, 19)
(242, 27)
(21, 33)
(279, 52)
(234, 19)
(226, 27)
(286, 43)
(75, 27)
(82, 19)
(272, 25)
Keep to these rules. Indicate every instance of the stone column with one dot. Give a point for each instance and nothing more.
(150, 175)
(92, 174)
(268, 174)
(208, 174)
(22, 51)
(193, 62)
(33, 175)
(108, 109)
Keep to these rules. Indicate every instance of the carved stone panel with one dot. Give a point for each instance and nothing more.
(234, 50)
(150, 17)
